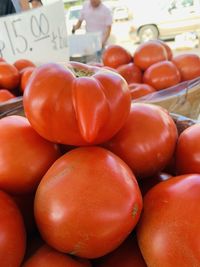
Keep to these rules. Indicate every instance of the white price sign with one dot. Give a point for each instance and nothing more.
(38, 34)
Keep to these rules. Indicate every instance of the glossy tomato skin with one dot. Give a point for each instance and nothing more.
(140, 89)
(147, 140)
(168, 231)
(130, 72)
(5, 95)
(127, 255)
(46, 256)
(115, 56)
(12, 232)
(23, 63)
(168, 49)
(92, 202)
(56, 105)
(9, 76)
(162, 75)
(149, 53)
(188, 65)
(25, 76)
(187, 151)
(25, 156)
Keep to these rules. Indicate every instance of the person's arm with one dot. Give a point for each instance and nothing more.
(106, 35)
(24, 4)
(77, 26)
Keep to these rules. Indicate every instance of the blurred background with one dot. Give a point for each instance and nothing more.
(175, 21)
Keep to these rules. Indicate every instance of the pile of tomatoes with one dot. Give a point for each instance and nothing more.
(89, 179)
(14, 77)
(152, 67)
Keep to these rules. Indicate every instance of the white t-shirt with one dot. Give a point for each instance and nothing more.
(97, 19)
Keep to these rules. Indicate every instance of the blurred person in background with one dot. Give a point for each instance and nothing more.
(98, 18)
(35, 3)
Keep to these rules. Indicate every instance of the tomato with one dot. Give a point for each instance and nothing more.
(12, 233)
(168, 49)
(115, 56)
(22, 63)
(130, 72)
(140, 89)
(147, 140)
(5, 95)
(188, 65)
(162, 75)
(91, 200)
(168, 231)
(46, 256)
(24, 155)
(127, 255)
(86, 109)
(9, 76)
(149, 53)
(25, 76)
(187, 151)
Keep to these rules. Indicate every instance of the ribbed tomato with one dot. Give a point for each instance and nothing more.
(77, 104)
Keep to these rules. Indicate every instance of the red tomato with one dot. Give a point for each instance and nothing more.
(140, 89)
(127, 255)
(187, 151)
(22, 63)
(130, 72)
(92, 202)
(5, 95)
(25, 76)
(76, 111)
(12, 233)
(168, 231)
(25, 156)
(188, 65)
(49, 257)
(168, 49)
(147, 140)
(9, 76)
(149, 53)
(115, 56)
(162, 75)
